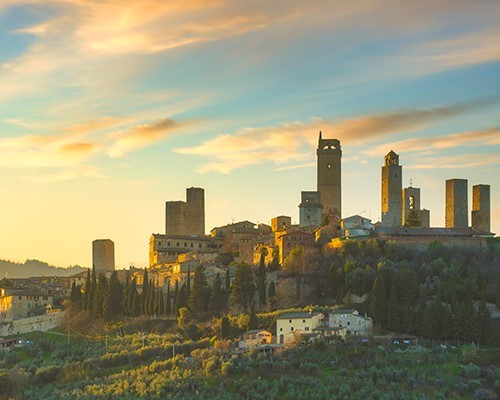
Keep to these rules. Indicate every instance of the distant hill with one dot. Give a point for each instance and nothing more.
(31, 268)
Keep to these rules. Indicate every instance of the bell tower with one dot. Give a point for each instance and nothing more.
(329, 156)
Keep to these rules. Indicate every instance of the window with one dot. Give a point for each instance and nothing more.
(185, 244)
(191, 244)
(168, 244)
(199, 245)
(290, 320)
(159, 243)
(348, 323)
(281, 329)
(178, 244)
(304, 321)
(291, 328)
(306, 328)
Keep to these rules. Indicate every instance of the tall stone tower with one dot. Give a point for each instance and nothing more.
(103, 255)
(456, 203)
(481, 207)
(186, 217)
(329, 156)
(195, 215)
(310, 209)
(391, 190)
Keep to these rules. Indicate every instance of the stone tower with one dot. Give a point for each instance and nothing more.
(186, 217)
(195, 215)
(391, 190)
(456, 203)
(481, 207)
(329, 156)
(103, 255)
(310, 209)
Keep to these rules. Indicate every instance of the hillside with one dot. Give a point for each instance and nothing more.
(31, 268)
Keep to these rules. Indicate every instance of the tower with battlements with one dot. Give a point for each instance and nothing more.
(186, 217)
(329, 156)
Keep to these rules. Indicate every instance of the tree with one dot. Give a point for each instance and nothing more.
(217, 296)
(168, 302)
(145, 292)
(252, 318)
(378, 300)
(198, 299)
(181, 300)
(261, 280)
(243, 288)
(413, 219)
(99, 295)
(225, 328)
(184, 317)
(86, 294)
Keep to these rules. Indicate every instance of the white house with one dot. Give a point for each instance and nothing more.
(289, 326)
(355, 324)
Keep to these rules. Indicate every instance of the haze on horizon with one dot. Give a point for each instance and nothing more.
(108, 109)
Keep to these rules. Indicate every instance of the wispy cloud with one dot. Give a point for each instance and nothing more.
(482, 137)
(456, 162)
(140, 136)
(68, 155)
(291, 142)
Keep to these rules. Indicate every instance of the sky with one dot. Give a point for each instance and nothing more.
(109, 108)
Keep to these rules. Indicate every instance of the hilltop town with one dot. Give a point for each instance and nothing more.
(247, 289)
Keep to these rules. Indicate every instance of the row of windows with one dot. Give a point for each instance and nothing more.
(192, 245)
(292, 329)
(34, 297)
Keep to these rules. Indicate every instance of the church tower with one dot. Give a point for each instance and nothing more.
(329, 154)
(392, 184)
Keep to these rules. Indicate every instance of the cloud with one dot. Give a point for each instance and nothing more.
(78, 148)
(140, 136)
(456, 162)
(291, 142)
(482, 137)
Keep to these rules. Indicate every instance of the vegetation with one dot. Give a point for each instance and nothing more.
(171, 367)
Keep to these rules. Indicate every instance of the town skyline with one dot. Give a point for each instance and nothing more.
(101, 124)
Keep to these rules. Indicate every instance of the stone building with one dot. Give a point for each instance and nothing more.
(310, 210)
(481, 207)
(391, 190)
(186, 218)
(103, 255)
(17, 304)
(412, 213)
(281, 223)
(167, 248)
(329, 156)
(291, 239)
(355, 324)
(456, 204)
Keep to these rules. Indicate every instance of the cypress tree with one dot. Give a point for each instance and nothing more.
(225, 328)
(145, 292)
(198, 301)
(181, 298)
(136, 304)
(243, 288)
(99, 295)
(261, 281)
(252, 320)
(227, 280)
(216, 302)
(176, 296)
(188, 283)
(87, 291)
(161, 310)
(168, 302)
